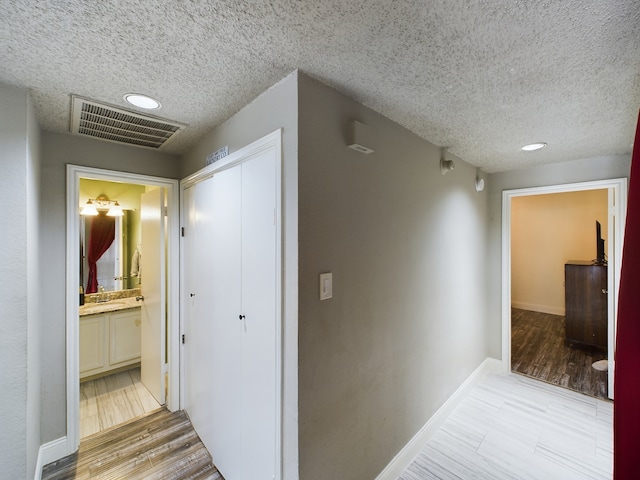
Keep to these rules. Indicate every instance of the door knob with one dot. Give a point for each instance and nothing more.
(139, 297)
(241, 317)
(604, 290)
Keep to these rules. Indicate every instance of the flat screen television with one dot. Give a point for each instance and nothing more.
(600, 256)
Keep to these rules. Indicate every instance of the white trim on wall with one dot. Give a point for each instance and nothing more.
(50, 452)
(617, 213)
(410, 451)
(74, 174)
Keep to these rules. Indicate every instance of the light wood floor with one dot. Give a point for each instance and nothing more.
(158, 446)
(539, 350)
(512, 427)
(112, 400)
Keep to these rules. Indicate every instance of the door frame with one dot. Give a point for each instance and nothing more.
(74, 174)
(270, 141)
(617, 200)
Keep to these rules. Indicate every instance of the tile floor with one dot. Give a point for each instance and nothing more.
(513, 427)
(112, 400)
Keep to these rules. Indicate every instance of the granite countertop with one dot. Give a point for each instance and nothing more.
(111, 306)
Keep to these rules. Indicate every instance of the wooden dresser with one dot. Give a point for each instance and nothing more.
(586, 303)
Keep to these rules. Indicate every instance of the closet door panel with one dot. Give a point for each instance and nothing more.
(259, 308)
(230, 352)
(198, 332)
(223, 290)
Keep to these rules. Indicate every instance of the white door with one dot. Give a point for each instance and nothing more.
(230, 350)
(224, 317)
(198, 385)
(259, 256)
(152, 268)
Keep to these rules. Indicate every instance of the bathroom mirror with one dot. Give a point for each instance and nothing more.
(113, 243)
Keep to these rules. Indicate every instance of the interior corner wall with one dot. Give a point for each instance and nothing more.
(58, 150)
(20, 376)
(407, 250)
(275, 108)
(547, 231)
(575, 171)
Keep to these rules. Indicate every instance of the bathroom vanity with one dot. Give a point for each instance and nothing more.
(109, 336)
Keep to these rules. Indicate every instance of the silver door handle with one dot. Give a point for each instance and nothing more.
(139, 297)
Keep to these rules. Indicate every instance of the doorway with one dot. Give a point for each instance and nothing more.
(614, 212)
(148, 310)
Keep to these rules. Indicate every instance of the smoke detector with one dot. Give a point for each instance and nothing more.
(107, 122)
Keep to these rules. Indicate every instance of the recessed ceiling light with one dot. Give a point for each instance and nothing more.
(534, 146)
(142, 101)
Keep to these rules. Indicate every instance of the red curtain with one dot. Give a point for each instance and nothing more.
(626, 412)
(103, 231)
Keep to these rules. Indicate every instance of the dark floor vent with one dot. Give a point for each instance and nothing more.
(114, 124)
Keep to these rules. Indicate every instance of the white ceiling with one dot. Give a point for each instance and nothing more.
(482, 77)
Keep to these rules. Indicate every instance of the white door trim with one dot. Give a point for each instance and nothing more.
(74, 174)
(270, 141)
(618, 187)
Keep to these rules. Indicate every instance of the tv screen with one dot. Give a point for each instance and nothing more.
(600, 257)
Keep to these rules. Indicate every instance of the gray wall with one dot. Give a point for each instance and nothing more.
(276, 108)
(407, 321)
(34, 288)
(58, 150)
(19, 335)
(586, 170)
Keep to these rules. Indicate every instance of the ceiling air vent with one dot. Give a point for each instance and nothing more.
(114, 124)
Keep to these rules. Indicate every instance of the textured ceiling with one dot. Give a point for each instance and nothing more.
(482, 77)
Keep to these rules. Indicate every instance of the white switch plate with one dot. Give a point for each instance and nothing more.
(326, 286)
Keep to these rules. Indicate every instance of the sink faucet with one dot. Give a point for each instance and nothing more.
(102, 295)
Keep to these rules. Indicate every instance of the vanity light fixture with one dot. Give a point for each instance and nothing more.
(102, 202)
(89, 209)
(142, 101)
(115, 210)
(533, 146)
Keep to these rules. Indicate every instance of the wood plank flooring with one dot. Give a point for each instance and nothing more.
(539, 350)
(512, 427)
(159, 445)
(111, 400)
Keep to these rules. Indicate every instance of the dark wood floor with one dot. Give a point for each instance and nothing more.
(539, 350)
(160, 445)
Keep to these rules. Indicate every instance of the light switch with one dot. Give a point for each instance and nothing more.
(326, 286)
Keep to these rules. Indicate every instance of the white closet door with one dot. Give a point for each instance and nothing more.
(198, 335)
(258, 403)
(231, 339)
(222, 284)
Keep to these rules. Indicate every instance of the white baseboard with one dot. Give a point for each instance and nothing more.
(50, 452)
(405, 456)
(532, 307)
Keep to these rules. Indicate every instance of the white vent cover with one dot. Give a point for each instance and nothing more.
(114, 124)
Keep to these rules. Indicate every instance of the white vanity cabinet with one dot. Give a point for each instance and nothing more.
(109, 341)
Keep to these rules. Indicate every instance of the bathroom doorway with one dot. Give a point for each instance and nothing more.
(122, 308)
